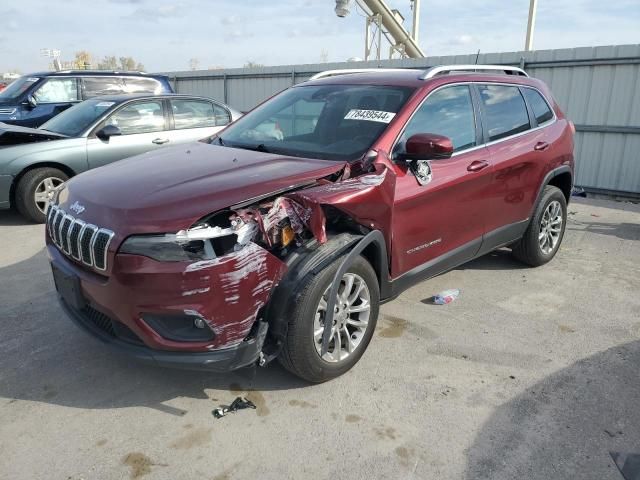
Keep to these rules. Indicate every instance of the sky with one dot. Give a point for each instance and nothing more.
(165, 34)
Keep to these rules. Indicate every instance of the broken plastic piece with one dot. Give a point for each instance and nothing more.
(245, 232)
(446, 297)
(238, 404)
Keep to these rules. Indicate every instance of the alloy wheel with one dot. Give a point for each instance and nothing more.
(350, 318)
(45, 191)
(550, 227)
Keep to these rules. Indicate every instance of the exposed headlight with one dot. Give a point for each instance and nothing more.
(168, 248)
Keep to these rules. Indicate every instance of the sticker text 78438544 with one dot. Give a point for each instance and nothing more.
(370, 115)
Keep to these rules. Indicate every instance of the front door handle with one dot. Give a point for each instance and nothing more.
(477, 165)
(541, 146)
(160, 141)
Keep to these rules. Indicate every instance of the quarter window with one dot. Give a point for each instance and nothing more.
(448, 112)
(142, 117)
(57, 90)
(539, 105)
(505, 110)
(96, 86)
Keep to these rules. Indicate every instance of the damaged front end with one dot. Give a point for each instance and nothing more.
(254, 253)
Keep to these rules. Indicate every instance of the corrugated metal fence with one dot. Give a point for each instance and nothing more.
(597, 87)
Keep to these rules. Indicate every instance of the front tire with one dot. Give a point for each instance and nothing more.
(34, 191)
(355, 321)
(545, 232)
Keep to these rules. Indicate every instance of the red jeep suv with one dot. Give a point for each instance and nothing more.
(281, 235)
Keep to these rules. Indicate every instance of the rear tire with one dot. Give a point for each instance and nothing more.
(545, 232)
(300, 353)
(34, 189)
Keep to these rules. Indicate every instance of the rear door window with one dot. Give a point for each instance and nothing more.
(142, 85)
(57, 90)
(140, 117)
(188, 113)
(96, 86)
(505, 110)
(539, 105)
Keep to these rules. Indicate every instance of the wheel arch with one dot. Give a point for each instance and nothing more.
(311, 259)
(60, 166)
(561, 177)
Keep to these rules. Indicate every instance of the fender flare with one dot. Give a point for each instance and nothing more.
(545, 181)
(311, 259)
(371, 237)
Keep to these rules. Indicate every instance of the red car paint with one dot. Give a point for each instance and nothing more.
(478, 191)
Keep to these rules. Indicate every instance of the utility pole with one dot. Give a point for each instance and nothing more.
(531, 23)
(415, 27)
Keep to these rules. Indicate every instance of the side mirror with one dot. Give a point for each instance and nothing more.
(108, 131)
(31, 102)
(427, 146)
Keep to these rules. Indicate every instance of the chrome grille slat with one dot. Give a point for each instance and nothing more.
(84, 242)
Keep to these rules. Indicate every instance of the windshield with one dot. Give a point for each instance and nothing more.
(17, 88)
(335, 122)
(75, 120)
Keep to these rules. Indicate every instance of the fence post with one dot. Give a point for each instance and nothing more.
(224, 88)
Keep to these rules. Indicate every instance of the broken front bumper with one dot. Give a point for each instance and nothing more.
(223, 360)
(127, 307)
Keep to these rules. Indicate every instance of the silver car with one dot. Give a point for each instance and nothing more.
(34, 162)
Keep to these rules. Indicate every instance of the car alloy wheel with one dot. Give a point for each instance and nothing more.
(45, 191)
(550, 227)
(350, 318)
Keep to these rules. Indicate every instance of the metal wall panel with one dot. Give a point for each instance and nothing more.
(597, 87)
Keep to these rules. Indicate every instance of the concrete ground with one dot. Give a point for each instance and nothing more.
(531, 373)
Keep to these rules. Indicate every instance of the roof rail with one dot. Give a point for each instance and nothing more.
(443, 69)
(346, 71)
(96, 70)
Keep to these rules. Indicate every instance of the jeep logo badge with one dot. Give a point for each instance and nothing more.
(76, 207)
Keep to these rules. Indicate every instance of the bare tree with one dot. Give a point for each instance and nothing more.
(109, 62)
(82, 60)
(252, 64)
(324, 56)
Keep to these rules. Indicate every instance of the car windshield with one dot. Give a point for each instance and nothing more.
(75, 120)
(335, 122)
(17, 88)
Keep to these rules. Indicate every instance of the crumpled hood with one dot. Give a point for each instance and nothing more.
(16, 135)
(168, 190)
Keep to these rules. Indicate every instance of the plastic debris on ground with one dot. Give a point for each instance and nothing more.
(578, 192)
(448, 296)
(238, 404)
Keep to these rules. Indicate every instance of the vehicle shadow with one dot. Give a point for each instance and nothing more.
(566, 425)
(625, 231)
(46, 358)
(496, 260)
(11, 218)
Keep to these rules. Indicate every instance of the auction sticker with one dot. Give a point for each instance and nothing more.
(370, 115)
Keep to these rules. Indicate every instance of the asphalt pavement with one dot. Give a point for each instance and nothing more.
(530, 373)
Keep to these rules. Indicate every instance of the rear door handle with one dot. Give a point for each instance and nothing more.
(541, 146)
(160, 141)
(477, 165)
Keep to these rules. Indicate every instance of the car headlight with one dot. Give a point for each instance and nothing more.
(168, 248)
